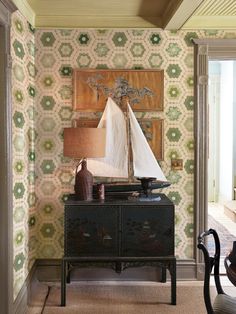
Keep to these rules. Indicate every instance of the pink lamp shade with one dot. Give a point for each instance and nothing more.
(81, 143)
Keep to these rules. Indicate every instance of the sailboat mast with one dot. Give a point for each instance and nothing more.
(130, 156)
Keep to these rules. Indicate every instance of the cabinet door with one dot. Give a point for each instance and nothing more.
(91, 230)
(148, 230)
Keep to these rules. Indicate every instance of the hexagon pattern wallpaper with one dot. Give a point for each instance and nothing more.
(43, 61)
(23, 141)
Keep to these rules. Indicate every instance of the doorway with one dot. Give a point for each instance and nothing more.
(221, 100)
(204, 50)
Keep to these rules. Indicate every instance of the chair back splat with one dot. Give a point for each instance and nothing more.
(222, 303)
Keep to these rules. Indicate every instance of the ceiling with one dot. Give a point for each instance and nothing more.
(214, 14)
(165, 14)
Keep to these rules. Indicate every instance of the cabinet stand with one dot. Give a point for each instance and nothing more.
(119, 232)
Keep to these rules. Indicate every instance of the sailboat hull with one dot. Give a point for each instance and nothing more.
(131, 187)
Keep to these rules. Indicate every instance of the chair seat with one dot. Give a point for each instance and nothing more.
(224, 304)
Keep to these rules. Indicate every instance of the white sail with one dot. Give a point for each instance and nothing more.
(115, 163)
(144, 161)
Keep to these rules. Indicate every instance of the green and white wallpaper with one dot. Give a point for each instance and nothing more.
(42, 101)
(57, 53)
(24, 133)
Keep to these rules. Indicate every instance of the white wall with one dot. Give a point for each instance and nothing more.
(234, 123)
(226, 132)
(214, 108)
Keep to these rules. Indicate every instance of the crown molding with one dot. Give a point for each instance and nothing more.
(24, 7)
(178, 12)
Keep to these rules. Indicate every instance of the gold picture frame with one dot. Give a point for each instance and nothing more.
(152, 128)
(91, 99)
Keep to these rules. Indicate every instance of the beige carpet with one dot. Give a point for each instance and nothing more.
(125, 299)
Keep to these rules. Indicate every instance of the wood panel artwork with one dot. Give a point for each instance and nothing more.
(89, 86)
(152, 129)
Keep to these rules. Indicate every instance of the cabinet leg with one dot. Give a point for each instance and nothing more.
(68, 273)
(118, 267)
(173, 281)
(163, 274)
(63, 282)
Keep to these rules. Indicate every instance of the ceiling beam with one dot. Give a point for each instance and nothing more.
(85, 21)
(178, 13)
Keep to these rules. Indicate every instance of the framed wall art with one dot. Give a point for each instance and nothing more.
(152, 129)
(143, 88)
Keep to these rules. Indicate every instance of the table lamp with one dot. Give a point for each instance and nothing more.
(82, 143)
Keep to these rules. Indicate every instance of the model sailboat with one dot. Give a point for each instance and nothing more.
(118, 137)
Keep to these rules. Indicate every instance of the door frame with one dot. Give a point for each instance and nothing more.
(204, 49)
(6, 208)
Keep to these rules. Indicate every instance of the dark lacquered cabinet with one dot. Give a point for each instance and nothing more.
(149, 226)
(91, 230)
(118, 231)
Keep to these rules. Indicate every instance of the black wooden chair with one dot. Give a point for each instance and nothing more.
(223, 303)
